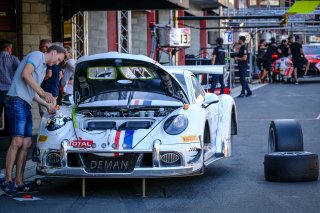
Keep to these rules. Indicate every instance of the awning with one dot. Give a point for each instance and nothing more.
(70, 7)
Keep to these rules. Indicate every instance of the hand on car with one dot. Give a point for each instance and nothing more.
(48, 97)
(51, 109)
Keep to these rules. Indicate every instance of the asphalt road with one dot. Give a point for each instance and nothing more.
(235, 184)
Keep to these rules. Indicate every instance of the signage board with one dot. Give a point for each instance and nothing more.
(180, 37)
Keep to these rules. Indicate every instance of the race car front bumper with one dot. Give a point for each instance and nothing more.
(121, 163)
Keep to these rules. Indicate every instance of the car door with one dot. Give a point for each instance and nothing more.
(211, 111)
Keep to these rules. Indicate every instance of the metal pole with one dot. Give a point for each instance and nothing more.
(83, 187)
(143, 187)
(228, 17)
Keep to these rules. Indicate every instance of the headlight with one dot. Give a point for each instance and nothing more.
(56, 122)
(175, 124)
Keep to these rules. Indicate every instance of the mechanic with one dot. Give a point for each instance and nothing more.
(262, 49)
(298, 57)
(8, 65)
(242, 60)
(52, 78)
(285, 48)
(23, 90)
(218, 58)
(267, 60)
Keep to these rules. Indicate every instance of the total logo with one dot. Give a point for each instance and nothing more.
(81, 143)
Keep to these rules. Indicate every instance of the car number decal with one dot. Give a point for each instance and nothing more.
(190, 138)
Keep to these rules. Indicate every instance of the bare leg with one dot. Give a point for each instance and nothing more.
(295, 74)
(307, 68)
(21, 160)
(263, 76)
(16, 144)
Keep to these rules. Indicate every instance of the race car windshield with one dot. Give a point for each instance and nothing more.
(103, 76)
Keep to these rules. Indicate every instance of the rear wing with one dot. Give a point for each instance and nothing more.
(200, 69)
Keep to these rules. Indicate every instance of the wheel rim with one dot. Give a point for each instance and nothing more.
(271, 140)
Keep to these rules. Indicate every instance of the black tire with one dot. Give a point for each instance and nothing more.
(285, 135)
(291, 166)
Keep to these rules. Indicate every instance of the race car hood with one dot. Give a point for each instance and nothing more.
(119, 76)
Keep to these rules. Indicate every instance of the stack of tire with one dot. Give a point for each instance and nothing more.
(286, 160)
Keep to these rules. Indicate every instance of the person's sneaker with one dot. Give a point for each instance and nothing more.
(297, 82)
(9, 189)
(248, 94)
(22, 188)
(241, 95)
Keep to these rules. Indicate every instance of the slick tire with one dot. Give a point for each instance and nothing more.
(285, 135)
(291, 167)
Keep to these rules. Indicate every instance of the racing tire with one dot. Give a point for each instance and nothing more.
(285, 135)
(291, 167)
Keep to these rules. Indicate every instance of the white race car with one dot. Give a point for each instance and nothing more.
(132, 117)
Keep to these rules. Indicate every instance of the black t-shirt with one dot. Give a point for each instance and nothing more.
(261, 51)
(243, 51)
(272, 49)
(219, 52)
(284, 49)
(295, 50)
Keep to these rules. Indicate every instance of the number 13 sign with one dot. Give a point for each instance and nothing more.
(180, 37)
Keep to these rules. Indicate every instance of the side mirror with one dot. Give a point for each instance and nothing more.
(209, 99)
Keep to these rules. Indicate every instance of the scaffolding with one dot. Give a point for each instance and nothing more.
(124, 32)
(80, 34)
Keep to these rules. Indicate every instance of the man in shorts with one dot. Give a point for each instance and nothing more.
(24, 89)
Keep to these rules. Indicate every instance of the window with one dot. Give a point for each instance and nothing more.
(269, 2)
(198, 90)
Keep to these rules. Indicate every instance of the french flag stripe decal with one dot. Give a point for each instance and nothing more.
(136, 102)
(116, 141)
(128, 138)
(147, 103)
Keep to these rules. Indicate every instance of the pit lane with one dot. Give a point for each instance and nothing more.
(231, 185)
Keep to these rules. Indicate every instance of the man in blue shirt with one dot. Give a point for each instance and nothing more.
(8, 65)
(24, 89)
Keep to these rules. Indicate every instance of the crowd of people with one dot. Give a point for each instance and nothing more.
(44, 76)
(268, 52)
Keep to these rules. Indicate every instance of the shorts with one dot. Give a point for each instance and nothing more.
(299, 62)
(19, 116)
(267, 65)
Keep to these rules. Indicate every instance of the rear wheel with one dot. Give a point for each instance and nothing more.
(291, 166)
(285, 135)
